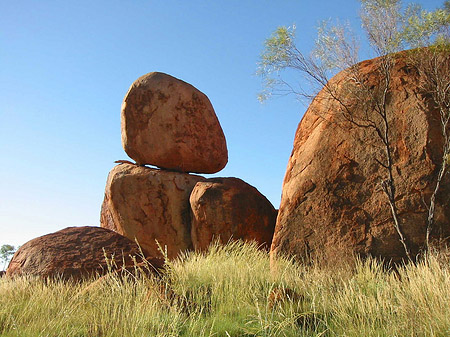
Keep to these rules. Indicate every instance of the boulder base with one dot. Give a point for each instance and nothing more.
(170, 124)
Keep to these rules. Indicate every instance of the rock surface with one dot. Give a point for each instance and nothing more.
(74, 252)
(332, 204)
(228, 208)
(170, 124)
(148, 204)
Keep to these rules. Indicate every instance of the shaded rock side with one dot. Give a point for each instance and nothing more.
(74, 252)
(149, 204)
(229, 208)
(332, 202)
(170, 124)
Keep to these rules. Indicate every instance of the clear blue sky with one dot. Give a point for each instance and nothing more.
(66, 66)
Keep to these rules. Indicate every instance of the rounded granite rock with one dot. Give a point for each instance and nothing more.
(230, 209)
(168, 123)
(74, 253)
(332, 203)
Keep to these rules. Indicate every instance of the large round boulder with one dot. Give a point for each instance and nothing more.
(74, 253)
(229, 208)
(150, 205)
(333, 203)
(170, 124)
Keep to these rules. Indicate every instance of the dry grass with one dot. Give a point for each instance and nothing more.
(230, 291)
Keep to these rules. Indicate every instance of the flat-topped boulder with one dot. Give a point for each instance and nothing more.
(229, 208)
(150, 205)
(168, 123)
(74, 253)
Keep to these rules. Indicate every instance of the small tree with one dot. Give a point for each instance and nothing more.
(388, 30)
(6, 251)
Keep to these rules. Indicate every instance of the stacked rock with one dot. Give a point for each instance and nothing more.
(168, 123)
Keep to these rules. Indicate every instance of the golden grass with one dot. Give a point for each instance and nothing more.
(230, 291)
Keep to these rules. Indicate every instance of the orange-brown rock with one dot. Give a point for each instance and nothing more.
(149, 204)
(332, 202)
(170, 124)
(74, 252)
(229, 208)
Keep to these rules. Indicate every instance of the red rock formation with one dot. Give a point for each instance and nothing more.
(228, 208)
(74, 252)
(332, 204)
(148, 204)
(170, 124)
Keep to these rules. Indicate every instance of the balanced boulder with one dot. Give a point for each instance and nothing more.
(73, 253)
(333, 203)
(150, 205)
(229, 208)
(170, 124)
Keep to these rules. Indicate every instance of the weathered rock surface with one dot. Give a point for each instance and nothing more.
(74, 252)
(170, 124)
(148, 204)
(332, 204)
(225, 208)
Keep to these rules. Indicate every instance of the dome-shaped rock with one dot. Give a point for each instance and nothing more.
(333, 204)
(170, 124)
(73, 252)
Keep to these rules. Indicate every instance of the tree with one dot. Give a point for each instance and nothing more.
(432, 30)
(6, 251)
(389, 30)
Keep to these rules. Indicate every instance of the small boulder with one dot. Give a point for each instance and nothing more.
(147, 205)
(229, 208)
(73, 253)
(170, 124)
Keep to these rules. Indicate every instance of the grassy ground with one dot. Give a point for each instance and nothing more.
(230, 291)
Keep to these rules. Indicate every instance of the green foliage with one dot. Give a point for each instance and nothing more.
(6, 251)
(277, 55)
(336, 46)
(388, 29)
(278, 48)
(381, 20)
(424, 28)
(226, 292)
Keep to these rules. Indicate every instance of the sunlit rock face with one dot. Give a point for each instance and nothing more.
(227, 209)
(150, 206)
(332, 203)
(168, 123)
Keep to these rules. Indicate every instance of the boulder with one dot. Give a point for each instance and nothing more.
(229, 208)
(73, 253)
(170, 124)
(146, 205)
(332, 202)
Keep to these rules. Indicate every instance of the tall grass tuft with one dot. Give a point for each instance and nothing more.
(230, 291)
